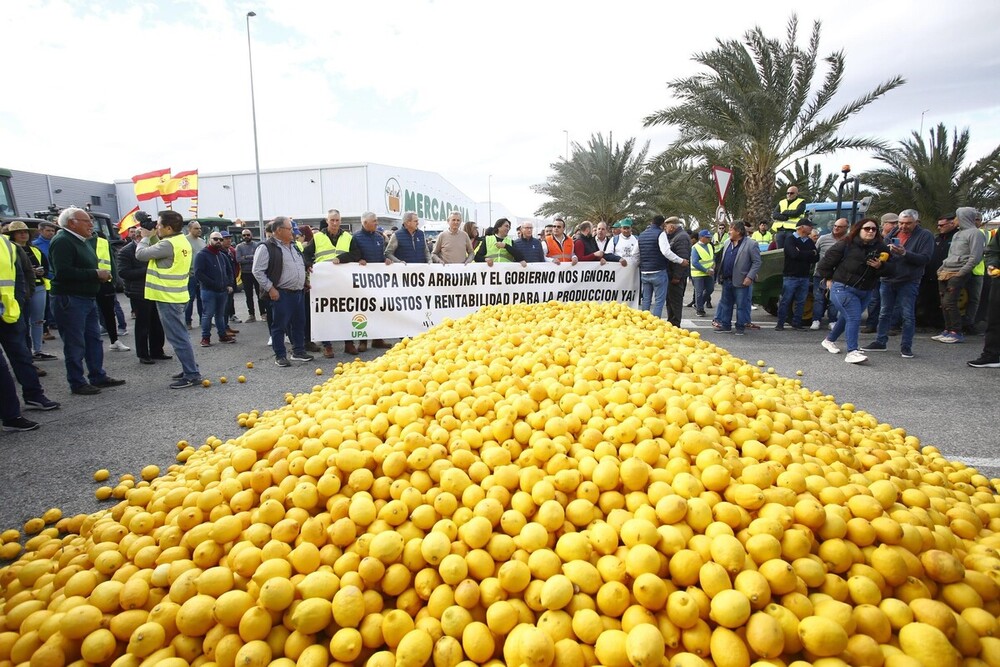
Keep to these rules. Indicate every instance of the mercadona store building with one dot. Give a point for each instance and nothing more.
(307, 193)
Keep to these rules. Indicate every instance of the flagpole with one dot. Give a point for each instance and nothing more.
(256, 152)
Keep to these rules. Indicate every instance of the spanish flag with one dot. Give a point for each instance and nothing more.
(147, 186)
(128, 222)
(181, 184)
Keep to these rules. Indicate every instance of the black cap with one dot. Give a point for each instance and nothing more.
(948, 216)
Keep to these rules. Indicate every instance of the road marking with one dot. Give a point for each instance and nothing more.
(977, 461)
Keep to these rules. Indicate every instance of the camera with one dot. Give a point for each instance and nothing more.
(145, 221)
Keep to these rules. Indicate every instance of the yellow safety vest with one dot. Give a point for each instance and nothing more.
(103, 254)
(766, 237)
(783, 206)
(38, 257)
(706, 255)
(980, 269)
(325, 250)
(169, 284)
(8, 274)
(495, 253)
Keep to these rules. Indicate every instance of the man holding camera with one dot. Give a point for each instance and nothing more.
(76, 280)
(167, 277)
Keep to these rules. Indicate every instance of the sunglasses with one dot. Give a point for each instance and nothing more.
(869, 229)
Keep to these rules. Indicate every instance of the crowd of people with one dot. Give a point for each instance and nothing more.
(866, 278)
(62, 277)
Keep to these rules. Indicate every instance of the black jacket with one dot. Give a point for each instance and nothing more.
(846, 263)
(800, 255)
(132, 271)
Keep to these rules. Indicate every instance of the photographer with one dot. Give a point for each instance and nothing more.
(167, 274)
(148, 330)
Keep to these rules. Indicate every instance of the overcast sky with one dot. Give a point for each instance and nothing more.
(468, 89)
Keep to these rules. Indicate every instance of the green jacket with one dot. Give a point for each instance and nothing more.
(74, 266)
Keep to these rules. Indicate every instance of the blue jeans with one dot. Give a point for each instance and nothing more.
(194, 296)
(14, 339)
(172, 319)
(793, 291)
(733, 296)
(898, 298)
(213, 304)
(874, 309)
(80, 329)
(821, 305)
(120, 315)
(851, 302)
(288, 313)
(703, 288)
(36, 318)
(653, 287)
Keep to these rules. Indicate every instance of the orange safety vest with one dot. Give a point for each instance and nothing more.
(563, 252)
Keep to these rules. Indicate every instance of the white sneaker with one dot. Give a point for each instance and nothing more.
(831, 325)
(830, 346)
(120, 346)
(855, 357)
(268, 341)
(814, 326)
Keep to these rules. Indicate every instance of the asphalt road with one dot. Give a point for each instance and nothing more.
(935, 397)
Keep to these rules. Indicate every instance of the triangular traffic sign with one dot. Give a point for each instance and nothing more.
(722, 177)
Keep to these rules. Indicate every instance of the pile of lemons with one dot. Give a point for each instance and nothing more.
(546, 485)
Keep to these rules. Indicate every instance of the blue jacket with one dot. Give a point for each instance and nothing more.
(371, 245)
(214, 271)
(650, 256)
(42, 244)
(910, 267)
(531, 249)
(411, 248)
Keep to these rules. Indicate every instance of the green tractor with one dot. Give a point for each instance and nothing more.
(8, 207)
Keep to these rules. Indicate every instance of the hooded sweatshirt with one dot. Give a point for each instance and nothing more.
(967, 245)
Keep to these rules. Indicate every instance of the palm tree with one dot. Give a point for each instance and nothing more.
(756, 106)
(813, 184)
(931, 177)
(600, 181)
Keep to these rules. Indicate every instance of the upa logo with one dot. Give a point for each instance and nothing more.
(393, 195)
(359, 323)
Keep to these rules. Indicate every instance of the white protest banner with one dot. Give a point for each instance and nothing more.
(353, 302)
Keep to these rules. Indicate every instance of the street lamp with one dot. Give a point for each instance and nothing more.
(256, 151)
(922, 123)
(566, 154)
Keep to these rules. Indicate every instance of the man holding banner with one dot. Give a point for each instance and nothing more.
(371, 247)
(333, 245)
